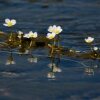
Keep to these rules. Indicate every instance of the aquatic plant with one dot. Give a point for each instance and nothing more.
(26, 43)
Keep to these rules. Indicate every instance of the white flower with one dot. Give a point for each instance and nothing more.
(55, 29)
(26, 35)
(51, 35)
(95, 48)
(32, 35)
(9, 23)
(51, 75)
(20, 34)
(89, 40)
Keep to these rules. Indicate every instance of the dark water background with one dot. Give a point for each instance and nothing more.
(25, 81)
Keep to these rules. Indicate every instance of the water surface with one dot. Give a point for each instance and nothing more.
(25, 81)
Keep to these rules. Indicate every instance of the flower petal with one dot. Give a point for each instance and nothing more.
(50, 28)
(5, 24)
(20, 32)
(13, 22)
(7, 20)
(26, 35)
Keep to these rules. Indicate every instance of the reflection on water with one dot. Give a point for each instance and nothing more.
(29, 78)
(89, 71)
(10, 60)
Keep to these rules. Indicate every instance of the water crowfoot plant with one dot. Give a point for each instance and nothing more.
(54, 30)
(31, 36)
(24, 44)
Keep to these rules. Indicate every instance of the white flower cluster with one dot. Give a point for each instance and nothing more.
(28, 35)
(89, 40)
(31, 35)
(53, 31)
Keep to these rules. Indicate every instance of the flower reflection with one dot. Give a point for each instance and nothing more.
(57, 69)
(32, 59)
(54, 67)
(10, 60)
(51, 75)
(89, 71)
(95, 66)
(51, 64)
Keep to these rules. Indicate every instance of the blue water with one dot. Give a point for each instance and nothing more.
(25, 81)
